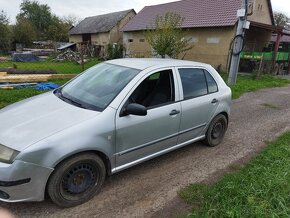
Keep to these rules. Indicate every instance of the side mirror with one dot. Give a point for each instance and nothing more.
(135, 109)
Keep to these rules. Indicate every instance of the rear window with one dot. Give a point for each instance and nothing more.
(196, 82)
(211, 83)
(193, 83)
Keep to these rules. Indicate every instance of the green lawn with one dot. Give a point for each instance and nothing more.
(10, 96)
(60, 67)
(261, 189)
(245, 83)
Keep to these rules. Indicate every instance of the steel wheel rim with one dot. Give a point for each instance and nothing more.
(217, 130)
(79, 179)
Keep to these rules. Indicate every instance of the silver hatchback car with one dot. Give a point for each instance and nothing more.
(115, 115)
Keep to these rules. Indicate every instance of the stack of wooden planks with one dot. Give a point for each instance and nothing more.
(17, 78)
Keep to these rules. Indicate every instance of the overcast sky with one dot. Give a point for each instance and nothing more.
(85, 8)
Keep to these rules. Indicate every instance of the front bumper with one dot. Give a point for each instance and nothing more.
(23, 181)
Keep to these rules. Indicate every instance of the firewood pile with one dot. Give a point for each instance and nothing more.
(70, 55)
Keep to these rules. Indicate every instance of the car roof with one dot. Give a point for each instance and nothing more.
(143, 63)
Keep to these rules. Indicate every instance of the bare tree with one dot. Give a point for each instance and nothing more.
(281, 19)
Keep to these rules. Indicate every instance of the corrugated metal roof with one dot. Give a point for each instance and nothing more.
(197, 13)
(100, 23)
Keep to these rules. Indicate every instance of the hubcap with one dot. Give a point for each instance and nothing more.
(217, 130)
(79, 179)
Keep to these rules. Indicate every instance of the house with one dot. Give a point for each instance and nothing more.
(101, 30)
(211, 26)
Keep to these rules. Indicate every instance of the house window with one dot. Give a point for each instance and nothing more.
(130, 40)
(141, 40)
(213, 40)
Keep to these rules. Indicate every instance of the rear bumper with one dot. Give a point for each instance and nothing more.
(23, 181)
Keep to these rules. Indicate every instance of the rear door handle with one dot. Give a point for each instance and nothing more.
(174, 112)
(214, 101)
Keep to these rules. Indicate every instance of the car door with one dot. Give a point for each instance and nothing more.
(200, 101)
(138, 137)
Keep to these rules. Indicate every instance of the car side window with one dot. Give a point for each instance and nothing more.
(211, 83)
(155, 90)
(193, 82)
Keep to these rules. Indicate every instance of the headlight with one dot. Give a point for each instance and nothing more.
(7, 155)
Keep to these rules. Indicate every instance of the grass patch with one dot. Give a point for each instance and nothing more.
(246, 83)
(14, 95)
(261, 189)
(60, 67)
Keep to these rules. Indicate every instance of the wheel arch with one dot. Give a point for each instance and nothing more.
(226, 115)
(102, 155)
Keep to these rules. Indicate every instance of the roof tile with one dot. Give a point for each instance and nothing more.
(197, 13)
(99, 24)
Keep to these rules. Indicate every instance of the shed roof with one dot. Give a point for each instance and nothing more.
(100, 23)
(197, 13)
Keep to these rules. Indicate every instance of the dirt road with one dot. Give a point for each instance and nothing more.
(144, 190)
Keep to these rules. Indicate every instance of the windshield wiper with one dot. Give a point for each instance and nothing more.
(69, 100)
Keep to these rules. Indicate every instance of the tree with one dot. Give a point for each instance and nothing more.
(167, 37)
(5, 33)
(38, 14)
(71, 19)
(58, 30)
(24, 32)
(281, 19)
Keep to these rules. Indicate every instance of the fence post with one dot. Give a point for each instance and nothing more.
(82, 57)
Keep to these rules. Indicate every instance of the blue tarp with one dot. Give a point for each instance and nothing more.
(46, 86)
(39, 86)
(24, 57)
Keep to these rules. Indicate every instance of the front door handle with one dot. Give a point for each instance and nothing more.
(174, 112)
(214, 101)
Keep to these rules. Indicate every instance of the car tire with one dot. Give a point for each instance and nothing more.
(76, 180)
(216, 131)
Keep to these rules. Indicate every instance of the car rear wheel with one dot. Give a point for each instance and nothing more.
(216, 131)
(76, 180)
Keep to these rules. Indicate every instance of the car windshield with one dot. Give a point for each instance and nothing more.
(98, 86)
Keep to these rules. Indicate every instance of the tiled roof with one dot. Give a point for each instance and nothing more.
(197, 13)
(99, 24)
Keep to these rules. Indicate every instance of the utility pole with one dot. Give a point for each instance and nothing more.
(238, 43)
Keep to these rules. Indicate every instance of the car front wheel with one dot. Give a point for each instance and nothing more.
(76, 180)
(216, 130)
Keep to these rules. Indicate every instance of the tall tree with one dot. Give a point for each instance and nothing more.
(5, 33)
(58, 30)
(24, 32)
(166, 36)
(38, 14)
(281, 19)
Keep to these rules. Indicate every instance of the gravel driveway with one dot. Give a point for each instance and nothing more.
(144, 190)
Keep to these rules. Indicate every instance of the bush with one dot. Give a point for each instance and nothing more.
(115, 51)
